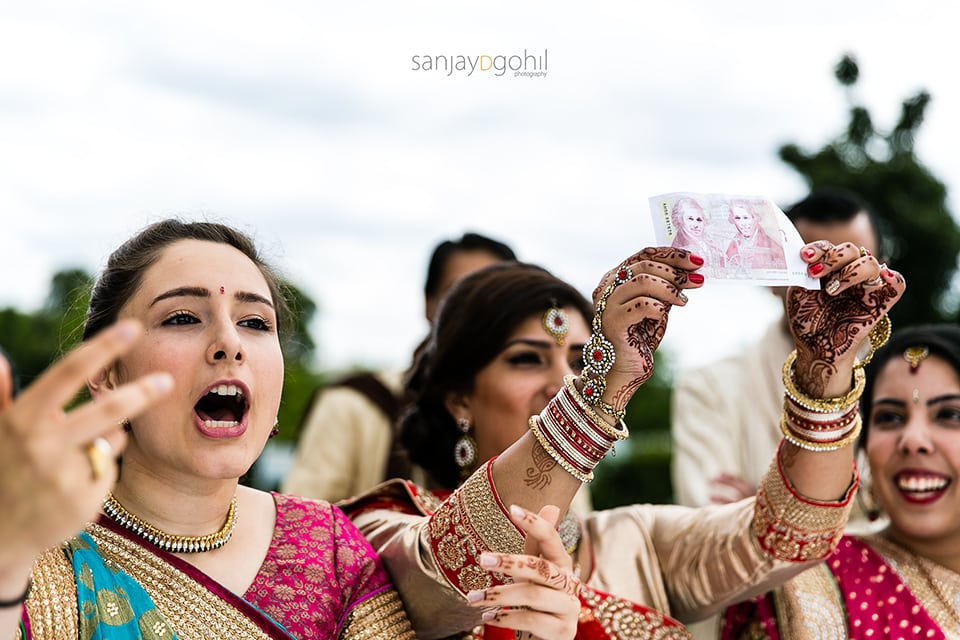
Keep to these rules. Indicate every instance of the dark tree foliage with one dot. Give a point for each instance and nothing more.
(921, 237)
(640, 471)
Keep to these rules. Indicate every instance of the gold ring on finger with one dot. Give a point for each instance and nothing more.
(864, 251)
(100, 456)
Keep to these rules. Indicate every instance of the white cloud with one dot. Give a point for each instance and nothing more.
(305, 123)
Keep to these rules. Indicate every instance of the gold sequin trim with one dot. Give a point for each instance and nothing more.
(52, 605)
(381, 617)
(467, 524)
(792, 529)
(810, 607)
(619, 619)
(190, 608)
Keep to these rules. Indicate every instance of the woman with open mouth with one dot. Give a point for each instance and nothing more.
(904, 580)
(187, 316)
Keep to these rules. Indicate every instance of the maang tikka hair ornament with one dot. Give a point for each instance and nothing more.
(915, 355)
(556, 324)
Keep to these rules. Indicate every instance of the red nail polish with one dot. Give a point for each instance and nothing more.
(809, 253)
(696, 278)
(695, 259)
(815, 269)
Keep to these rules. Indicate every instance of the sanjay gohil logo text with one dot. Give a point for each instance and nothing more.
(528, 65)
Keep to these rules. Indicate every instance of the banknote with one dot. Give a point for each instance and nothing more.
(740, 238)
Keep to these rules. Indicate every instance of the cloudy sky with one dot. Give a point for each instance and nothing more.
(308, 125)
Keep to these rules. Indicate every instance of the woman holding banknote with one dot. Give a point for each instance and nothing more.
(520, 392)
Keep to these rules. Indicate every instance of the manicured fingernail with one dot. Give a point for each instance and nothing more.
(475, 596)
(695, 259)
(488, 560)
(683, 297)
(815, 269)
(517, 512)
(161, 382)
(696, 278)
(808, 253)
(489, 616)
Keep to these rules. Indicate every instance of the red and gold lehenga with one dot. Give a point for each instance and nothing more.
(319, 579)
(869, 588)
(651, 564)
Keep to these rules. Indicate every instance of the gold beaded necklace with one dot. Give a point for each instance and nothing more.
(168, 541)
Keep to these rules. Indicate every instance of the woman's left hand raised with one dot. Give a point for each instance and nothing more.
(543, 601)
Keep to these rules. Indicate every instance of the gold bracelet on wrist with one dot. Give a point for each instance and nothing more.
(821, 405)
(534, 425)
(812, 445)
(615, 432)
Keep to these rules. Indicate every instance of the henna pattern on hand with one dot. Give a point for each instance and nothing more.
(644, 337)
(549, 573)
(538, 476)
(826, 327)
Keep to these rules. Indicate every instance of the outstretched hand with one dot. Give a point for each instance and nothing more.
(55, 467)
(634, 301)
(543, 600)
(830, 326)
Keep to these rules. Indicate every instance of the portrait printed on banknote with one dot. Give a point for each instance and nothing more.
(740, 238)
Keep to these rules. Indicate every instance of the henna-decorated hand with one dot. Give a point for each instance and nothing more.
(634, 315)
(543, 600)
(829, 326)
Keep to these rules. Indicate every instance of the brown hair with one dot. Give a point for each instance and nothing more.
(475, 320)
(126, 266)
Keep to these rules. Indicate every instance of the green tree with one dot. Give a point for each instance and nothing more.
(33, 340)
(922, 238)
(640, 470)
(300, 380)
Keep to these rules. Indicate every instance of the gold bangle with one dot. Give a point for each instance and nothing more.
(821, 405)
(534, 425)
(617, 431)
(811, 445)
